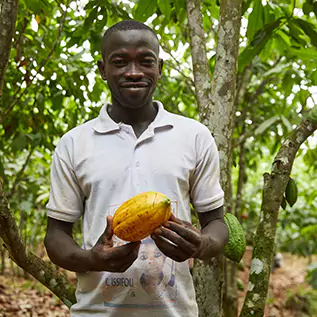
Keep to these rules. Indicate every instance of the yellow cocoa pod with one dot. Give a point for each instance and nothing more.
(139, 216)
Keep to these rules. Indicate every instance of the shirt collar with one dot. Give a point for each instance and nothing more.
(105, 124)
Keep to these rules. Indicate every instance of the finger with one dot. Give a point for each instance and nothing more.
(126, 250)
(181, 222)
(186, 246)
(173, 218)
(106, 237)
(185, 230)
(119, 262)
(170, 250)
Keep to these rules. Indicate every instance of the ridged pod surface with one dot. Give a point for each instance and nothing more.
(139, 216)
(235, 248)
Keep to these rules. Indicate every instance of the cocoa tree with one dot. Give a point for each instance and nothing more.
(215, 100)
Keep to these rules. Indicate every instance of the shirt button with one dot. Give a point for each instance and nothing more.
(137, 164)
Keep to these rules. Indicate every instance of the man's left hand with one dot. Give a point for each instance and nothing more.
(185, 239)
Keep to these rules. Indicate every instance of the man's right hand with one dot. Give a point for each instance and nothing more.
(105, 257)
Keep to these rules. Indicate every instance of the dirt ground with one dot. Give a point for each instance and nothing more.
(284, 283)
(24, 297)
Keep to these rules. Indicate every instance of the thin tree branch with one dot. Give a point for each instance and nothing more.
(189, 82)
(242, 84)
(20, 174)
(44, 272)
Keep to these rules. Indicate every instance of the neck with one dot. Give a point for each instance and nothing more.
(132, 116)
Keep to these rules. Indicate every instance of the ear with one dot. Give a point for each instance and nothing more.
(101, 67)
(161, 63)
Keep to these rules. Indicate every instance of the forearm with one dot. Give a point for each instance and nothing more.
(66, 253)
(215, 235)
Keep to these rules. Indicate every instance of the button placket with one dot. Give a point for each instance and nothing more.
(135, 167)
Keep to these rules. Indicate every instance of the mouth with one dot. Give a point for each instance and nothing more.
(134, 85)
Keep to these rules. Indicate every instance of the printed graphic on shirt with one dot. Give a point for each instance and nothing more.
(150, 283)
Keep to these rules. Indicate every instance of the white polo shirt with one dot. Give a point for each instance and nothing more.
(99, 165)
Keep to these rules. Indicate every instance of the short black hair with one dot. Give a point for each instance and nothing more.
(124, 26)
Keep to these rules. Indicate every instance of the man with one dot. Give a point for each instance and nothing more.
(132, 147)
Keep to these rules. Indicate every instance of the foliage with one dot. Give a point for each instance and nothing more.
(312, 275)
(303, 301)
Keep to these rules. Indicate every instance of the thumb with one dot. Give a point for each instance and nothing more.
(174, 219)
(106, 237)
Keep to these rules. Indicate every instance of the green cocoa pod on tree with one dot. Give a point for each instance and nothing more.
(291, 192)
(236, 246)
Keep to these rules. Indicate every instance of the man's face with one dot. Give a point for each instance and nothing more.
(131, 67)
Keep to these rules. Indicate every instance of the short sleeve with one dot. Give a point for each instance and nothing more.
(205, 191)
(66, 197)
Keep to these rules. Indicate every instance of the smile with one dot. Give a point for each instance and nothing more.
(135, 85)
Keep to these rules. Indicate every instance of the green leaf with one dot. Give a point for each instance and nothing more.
(296, 32)
(245, 6)
(39, 6)
(165, 7)
(305, 54)
(315, 8)
(308, 28)
(312, 115)
(284, 36)
(307, 8)
(19, 143)
(57, 100)
(255, 21)
(269, 14)
(257, 44)
(213, 9)
(265, 125)
(100, 24)
(145, 9)
(312, 275)
(180, 9)
(90, 19)
(314, 78)
(286, 123)
(90, 4)
(287, 83)
(34, 6)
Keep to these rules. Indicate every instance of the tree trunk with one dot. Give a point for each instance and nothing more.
(273, 191)
(216, 109)
(8, 15)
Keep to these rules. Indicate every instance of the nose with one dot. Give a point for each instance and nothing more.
(133, 72)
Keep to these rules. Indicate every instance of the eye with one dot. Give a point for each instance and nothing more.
(148, 61)
(143, 256)
(118, 62)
